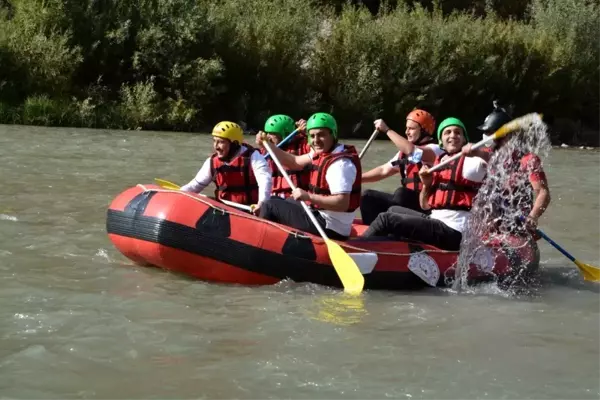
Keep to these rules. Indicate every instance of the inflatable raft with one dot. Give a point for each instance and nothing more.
(202, 238)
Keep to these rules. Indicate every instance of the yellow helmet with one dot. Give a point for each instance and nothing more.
(229, 130)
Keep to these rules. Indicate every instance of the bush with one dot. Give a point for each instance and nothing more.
(186, 64)
(567, 33)
(39, 57)
(41, 110)
(140, 105)
(345, 65)
(263, 45)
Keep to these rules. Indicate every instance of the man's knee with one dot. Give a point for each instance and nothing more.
(382, 219)
(266, 209)
(369, 194)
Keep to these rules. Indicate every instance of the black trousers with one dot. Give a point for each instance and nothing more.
(373, 202)
(406, 224)
(291, 213)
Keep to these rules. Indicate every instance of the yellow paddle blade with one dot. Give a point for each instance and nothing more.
(166, 184)
(346, 268)
(516, 123)
(590, 273)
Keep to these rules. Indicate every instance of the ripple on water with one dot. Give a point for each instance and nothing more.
(79, 321)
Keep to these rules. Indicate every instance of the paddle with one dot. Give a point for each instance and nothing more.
(166, 184)
(284, 141)
(291, 136)
(173, 186)
(500, 133)
(590, 273)
(364, 150)
(344, 265)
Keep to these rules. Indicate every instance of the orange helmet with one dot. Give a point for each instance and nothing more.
(424, 119)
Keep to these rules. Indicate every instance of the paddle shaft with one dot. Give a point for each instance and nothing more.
(556, 245)
(289, 181)
(500, 133)
(234, 204)
(459, 154)
(284, 141)
(364, 150)
(590, 272)
(174, 186)
(552, 242)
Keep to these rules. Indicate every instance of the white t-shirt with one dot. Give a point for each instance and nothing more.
(260, 167)
(340, 177)
(474, 169)
(416, 155)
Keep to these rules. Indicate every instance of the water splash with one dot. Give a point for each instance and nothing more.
(102, 253)
(6, 217)
(505, 196)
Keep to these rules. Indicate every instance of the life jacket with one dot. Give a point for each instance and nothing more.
(318, 172)
(409, 172)
(235, 181)
(449, 190)
(297, 146)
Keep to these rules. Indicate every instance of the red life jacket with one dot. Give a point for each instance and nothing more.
(409, 172)
(449, 190)
(302, 146)
(235, 181)
(297, 146)
(318, 182)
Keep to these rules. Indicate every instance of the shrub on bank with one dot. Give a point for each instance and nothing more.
(185, 64)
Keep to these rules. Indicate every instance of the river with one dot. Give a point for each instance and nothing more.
(80, 321)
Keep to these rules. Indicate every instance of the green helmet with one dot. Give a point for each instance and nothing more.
(450, 122)
(280, 125)
(322, 120)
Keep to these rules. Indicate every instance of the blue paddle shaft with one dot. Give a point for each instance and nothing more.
(552, 242)
(284, 141)
(556, 246)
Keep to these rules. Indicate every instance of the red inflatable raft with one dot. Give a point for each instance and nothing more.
(205, 239)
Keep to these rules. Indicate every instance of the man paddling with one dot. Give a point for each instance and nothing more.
(277, 128)
(238, 170)
(532, 200)
(448, 192)
(335, 182)
(417, 149)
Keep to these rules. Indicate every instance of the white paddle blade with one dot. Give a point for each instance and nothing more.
(365, 261)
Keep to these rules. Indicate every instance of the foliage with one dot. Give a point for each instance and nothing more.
(186, 64)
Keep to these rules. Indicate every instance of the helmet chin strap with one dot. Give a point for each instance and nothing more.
(422, 138)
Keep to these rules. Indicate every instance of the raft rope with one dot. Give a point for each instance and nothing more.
(282, 227)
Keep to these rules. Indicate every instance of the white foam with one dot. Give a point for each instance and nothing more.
(6, 217)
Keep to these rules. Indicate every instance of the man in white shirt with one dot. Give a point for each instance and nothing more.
(418, 148)
(239, 171)
(448, 193)
(335, 183)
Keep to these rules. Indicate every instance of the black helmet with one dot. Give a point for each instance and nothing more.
(495, 119)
